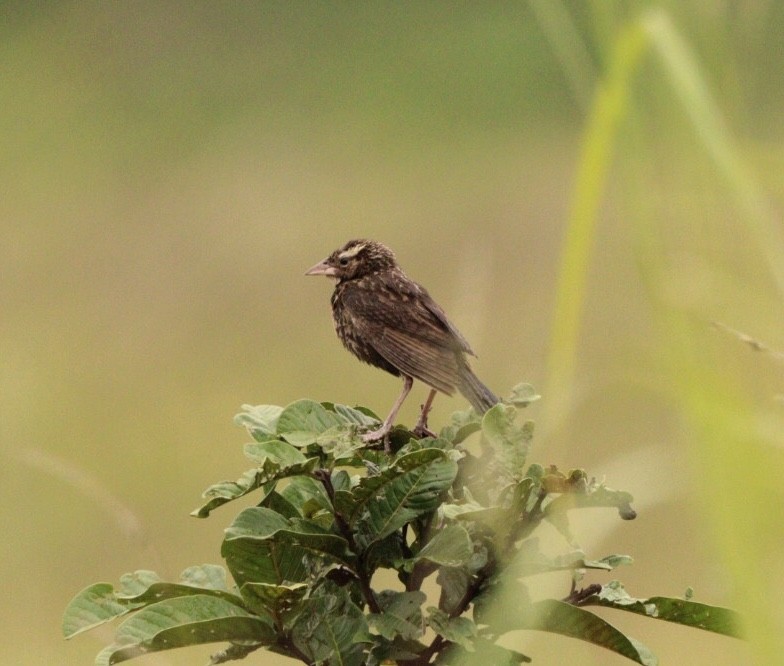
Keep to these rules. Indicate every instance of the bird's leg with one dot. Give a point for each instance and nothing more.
(386, 426)
(421, 429)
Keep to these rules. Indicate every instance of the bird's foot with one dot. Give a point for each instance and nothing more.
(421, 430)
(379, 435)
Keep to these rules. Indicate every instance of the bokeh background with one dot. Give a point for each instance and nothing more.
(584, 186)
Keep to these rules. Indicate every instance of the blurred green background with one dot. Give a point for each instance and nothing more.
(170, 170)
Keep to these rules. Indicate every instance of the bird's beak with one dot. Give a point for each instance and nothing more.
(322, 268)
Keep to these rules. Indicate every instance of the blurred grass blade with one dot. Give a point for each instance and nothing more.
(680, 65)
(569, 48)
(608, 112)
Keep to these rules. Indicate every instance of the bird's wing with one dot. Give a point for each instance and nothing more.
(405, 326)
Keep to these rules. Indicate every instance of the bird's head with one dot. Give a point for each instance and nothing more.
(355, 259)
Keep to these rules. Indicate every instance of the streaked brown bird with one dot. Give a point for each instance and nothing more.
(387, 320)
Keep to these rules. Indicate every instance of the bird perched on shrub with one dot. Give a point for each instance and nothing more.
(387, 320)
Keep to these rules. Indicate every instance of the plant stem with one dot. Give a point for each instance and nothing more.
(325, 477)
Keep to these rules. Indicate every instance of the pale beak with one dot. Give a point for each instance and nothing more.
(322, 268)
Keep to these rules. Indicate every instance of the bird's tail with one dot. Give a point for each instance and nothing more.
(480, 397)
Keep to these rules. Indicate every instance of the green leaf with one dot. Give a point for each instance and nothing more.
(397, 650)
(234, 652)
(609, 562)
(281, 453)
(274, 457)
(331, 628)
(100, 603)
(485, 652)
(559, 617)
(206, 576)
(401, 615)
(227, 491)
(185, 621)
(509, 440)
(307, 495)
(133, 584)
(261, 420)
(356, 416)
(459, 630)
(382, 504)
(261, 546)
(94, 605)
(274, 601)
(464, 424)
(274, 501)
(385, 553)
(254, 561)
(523, 395)
(454, 584)
(303, 421)
(598, 496)
(341, 442)
(681, 611)
(450, 546)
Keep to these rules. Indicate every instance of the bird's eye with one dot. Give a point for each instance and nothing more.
(343, 261)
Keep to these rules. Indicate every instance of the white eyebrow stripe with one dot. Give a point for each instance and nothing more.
(352, 251)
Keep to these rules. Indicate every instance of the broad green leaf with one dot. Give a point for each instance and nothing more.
(282, 453)
(559, 617)
(459, 630)
(342, 442)
(356, 416)
(608, 562)
(681, 611)
(331, 628)
(401, 615)
(143, 588)
(185, 621)
(261, 546)
(257, 561)
(94, 605)
(530, 560)
(382, 504)
(274, 501)
(510, 441)
(160, 591)
(385, 553)
(463, 425)
(206, 576)
(396, 651)
(450, 546)
(599, 496)
(261, 420)
(303, 421)
(484, 652)
(523, 395)
(133, 584)
(307, 495)
(454, 584)
(227, 491)
(341, 480)
(274, 601)
(234, 652)
(269, 471)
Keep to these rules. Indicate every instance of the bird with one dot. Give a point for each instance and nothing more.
(391, 322)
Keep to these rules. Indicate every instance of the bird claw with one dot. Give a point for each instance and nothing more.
(381, 434)
(421, 430)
